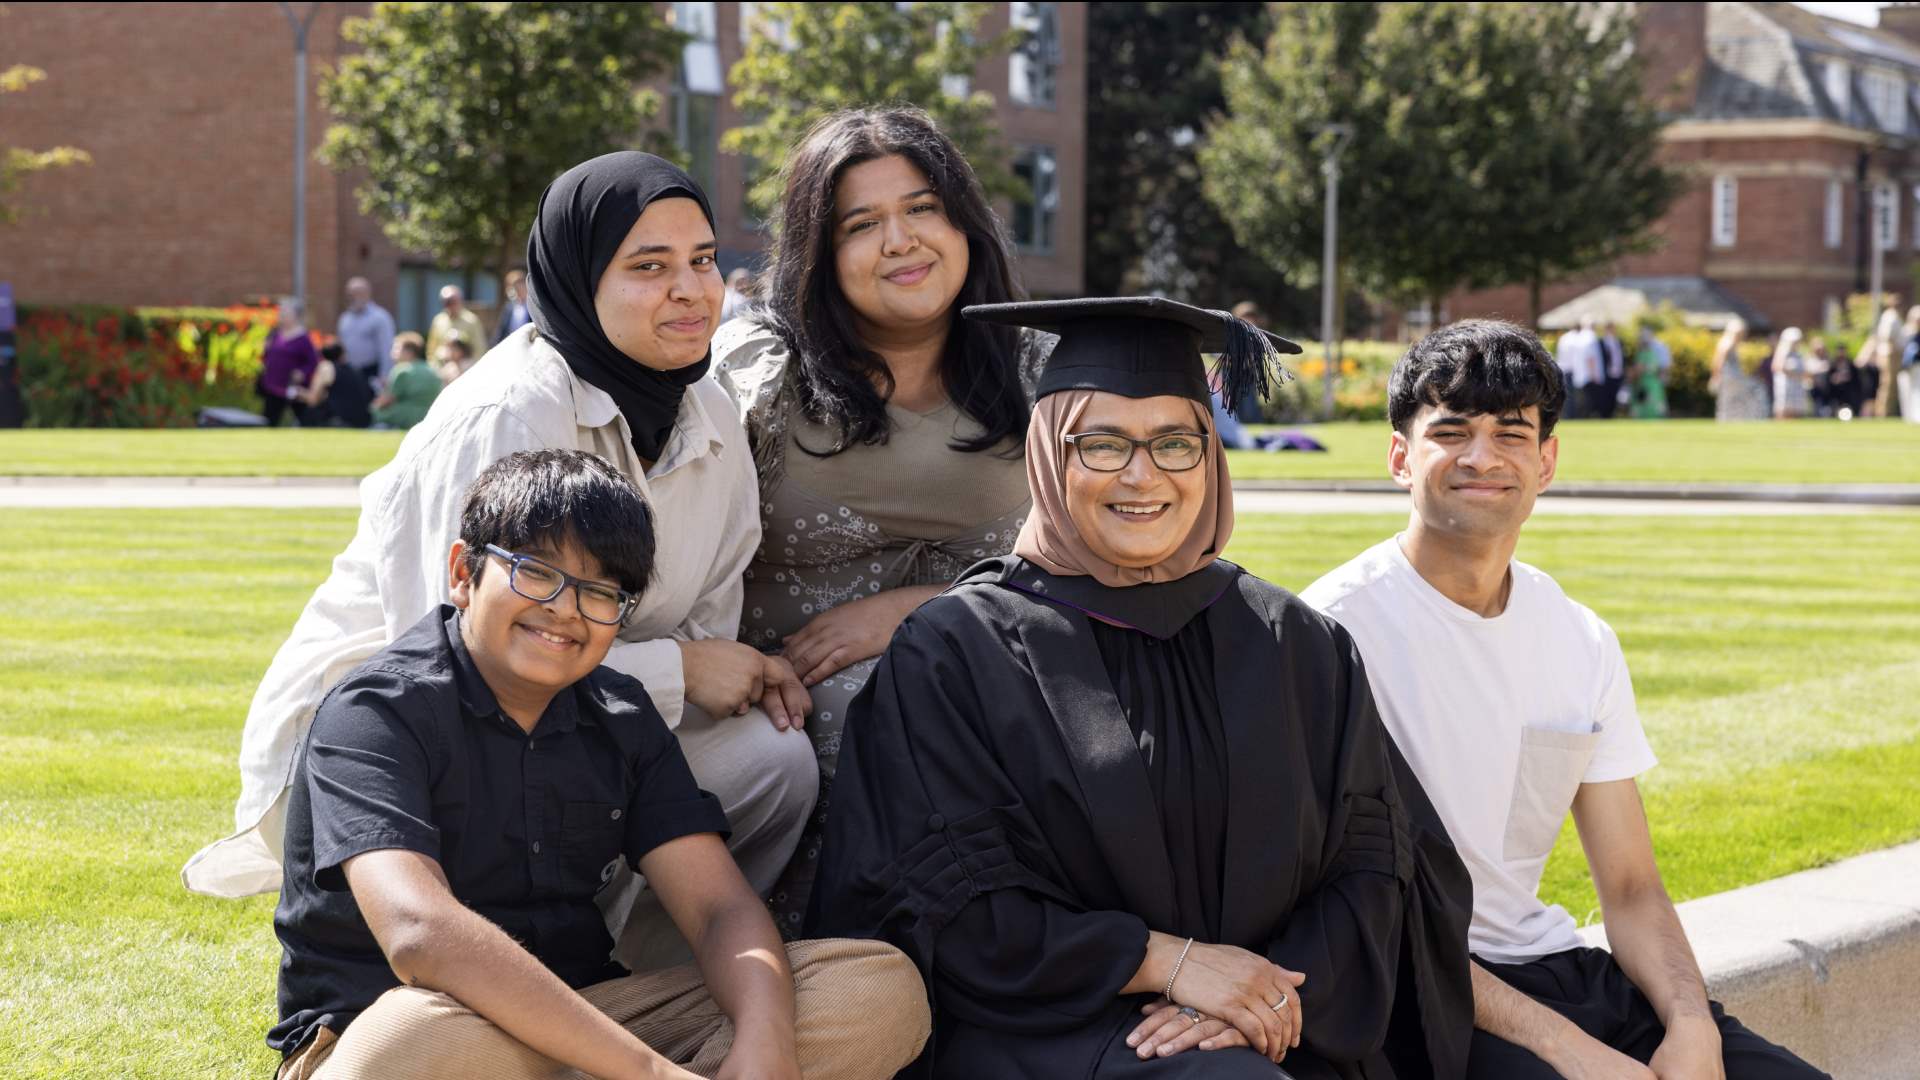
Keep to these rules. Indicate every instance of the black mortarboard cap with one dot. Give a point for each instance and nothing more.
(1146, 346)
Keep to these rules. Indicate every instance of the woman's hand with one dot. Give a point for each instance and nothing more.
(856, 630)
(1233, 985)
(1169, 1029)
(726, 678)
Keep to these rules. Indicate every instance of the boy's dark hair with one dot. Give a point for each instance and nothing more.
(552, 497)
(1475, 367)
(455, 341)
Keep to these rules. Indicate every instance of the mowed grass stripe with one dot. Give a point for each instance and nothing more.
(1775, 681)
(1689, 451)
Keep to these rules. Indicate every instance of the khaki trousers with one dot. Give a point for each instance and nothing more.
(860, 1011)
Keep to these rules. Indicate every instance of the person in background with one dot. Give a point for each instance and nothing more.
(513, 312)
(1612, 374)
(1579, 360)
(1876, 356)
(1736, 394)
(1250, 407)
(455, 317)
(1840, 387)
(1650, 366)
(288, 365)
(411, 385)
(339, 394)
(886, 430)
(740, 292)
(365, 331)
(454, 358)
(1792, 377)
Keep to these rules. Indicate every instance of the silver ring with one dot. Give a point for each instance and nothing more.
(1190, 1013)
(1278, 1005)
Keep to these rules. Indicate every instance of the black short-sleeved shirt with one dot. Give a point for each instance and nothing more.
(412, 751)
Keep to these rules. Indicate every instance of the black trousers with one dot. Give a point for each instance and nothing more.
(1588, 988)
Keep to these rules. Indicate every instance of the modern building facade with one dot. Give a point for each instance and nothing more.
(187, 111)
(1798, 133)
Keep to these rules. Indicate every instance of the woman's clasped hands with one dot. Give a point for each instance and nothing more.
(1222, 997)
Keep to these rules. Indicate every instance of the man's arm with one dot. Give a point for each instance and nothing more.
(1644, 930)
(436, 943)
(1502, 1011)
(738, 950)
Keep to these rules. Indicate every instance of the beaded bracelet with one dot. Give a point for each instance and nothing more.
(1175, 973)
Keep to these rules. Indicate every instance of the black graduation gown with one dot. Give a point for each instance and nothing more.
(993, 817)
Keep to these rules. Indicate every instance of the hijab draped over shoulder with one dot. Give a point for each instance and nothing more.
(584, 215)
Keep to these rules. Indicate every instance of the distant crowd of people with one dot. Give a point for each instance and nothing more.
(1605, 378)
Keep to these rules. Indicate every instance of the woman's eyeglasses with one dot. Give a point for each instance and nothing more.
(1104, 451)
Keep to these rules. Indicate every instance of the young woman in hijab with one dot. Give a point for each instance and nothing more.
(1129, 807)
(625, 298)
(887, 430)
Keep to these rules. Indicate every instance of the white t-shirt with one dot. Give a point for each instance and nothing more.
(1502, 719)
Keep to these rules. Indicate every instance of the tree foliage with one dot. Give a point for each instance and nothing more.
(460, 114)
(1149, 228)
(1493, 144)
(803, 61)
(17, 163)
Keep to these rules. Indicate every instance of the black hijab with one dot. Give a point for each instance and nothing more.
(584, 215)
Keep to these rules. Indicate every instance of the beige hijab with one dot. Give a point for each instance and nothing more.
(1051, 541)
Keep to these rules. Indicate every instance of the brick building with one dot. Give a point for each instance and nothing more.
(1798, 132)
(187, 111)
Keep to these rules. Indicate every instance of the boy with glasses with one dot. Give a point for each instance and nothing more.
(462, 797)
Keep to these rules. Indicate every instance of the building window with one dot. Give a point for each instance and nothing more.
(696, 130)
(1839, 82)
(1886, 94)
(698, 21)
(1033, 71)
(1836, 200)
(1916, 218)
(1033, 218)
(1886, 215)
(1726, 195)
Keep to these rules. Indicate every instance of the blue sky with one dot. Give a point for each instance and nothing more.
(1864, 14)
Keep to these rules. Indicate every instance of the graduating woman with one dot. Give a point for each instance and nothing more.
(1129, 807)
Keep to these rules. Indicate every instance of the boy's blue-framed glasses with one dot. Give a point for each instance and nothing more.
(541, 582)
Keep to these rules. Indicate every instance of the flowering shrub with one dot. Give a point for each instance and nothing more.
(144, 367)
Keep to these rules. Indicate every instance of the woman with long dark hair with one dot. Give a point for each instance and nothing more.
(886, 430)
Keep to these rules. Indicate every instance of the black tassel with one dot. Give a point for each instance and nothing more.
(1250, 362)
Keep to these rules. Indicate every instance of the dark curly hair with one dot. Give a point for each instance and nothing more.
(840, 382)
(1475, 367)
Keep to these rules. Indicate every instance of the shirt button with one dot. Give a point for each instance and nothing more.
(536, 847)
(616, 814)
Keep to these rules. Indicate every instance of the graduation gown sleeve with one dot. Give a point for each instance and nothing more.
(931, 847)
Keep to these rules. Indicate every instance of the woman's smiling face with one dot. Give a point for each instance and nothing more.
(898, 260)
(659, 300)
(1140, 515)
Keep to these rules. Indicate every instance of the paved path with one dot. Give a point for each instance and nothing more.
(286, 493)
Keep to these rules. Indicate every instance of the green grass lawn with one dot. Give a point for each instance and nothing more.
(1775, 671)
(1692, 451)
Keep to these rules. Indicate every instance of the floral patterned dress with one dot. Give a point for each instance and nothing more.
(910, 511)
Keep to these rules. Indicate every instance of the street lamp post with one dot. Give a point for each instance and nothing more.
(300, 24)
(1330, 168)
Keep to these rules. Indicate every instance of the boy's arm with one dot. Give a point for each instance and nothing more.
(1643, 929)
(436, 943)
(738, 950)
(1502, 1011)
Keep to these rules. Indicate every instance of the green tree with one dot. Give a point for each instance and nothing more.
(460, 114)
(1149, 228)
(16, 163)
(1493, 144)
(804, 61)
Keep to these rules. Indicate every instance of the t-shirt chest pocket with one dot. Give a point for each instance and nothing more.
(1552, 764)
(591, 841)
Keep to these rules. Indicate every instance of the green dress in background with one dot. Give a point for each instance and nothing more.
(413, 386)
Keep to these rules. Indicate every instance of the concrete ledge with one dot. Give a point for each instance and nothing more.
(1825, 962)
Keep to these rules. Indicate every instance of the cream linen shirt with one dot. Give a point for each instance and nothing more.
(521, 396)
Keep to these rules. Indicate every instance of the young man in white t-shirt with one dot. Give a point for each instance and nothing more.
(1513, 705)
